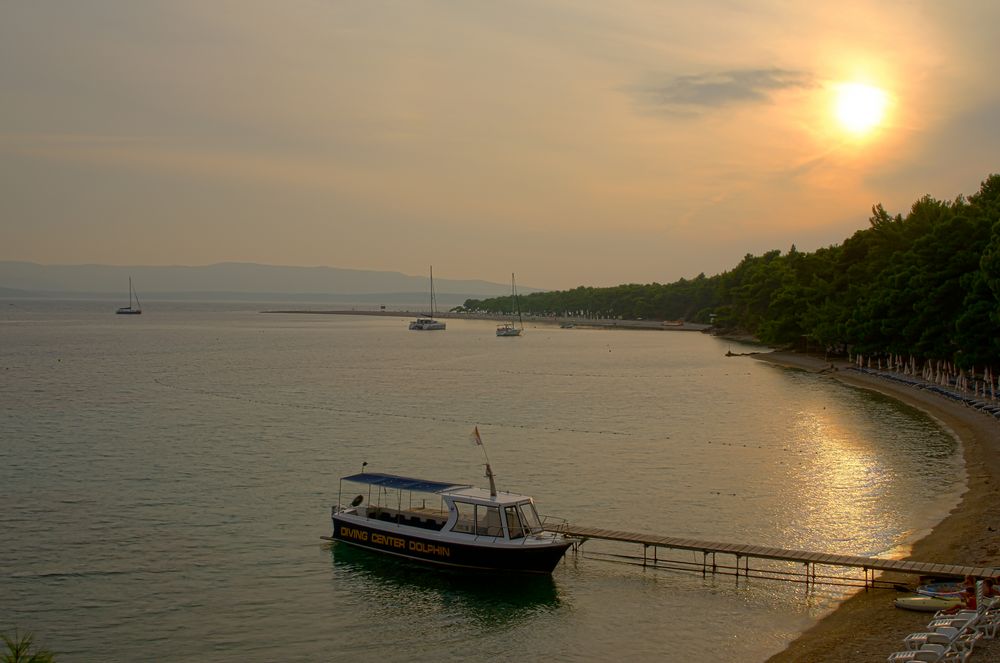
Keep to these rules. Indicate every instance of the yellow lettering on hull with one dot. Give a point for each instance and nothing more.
(430, 548)
(352, 533)
(387, 541)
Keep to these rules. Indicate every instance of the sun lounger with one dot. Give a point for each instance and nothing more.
(988, 624)
(961, 620)
(949, 636)
(929, 653)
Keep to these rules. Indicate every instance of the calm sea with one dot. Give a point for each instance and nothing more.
(165, 479)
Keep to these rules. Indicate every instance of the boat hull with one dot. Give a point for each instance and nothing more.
(923, 603)
(129, 311)
(403, 542)
(427, 325)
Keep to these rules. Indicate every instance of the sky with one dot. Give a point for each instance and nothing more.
(577, 142)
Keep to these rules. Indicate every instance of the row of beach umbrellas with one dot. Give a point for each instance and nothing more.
(981, 384)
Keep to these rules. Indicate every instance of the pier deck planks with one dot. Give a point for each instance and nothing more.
(762, 552)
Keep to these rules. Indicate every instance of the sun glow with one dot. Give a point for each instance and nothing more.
(860, 108)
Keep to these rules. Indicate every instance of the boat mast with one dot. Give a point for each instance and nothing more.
(517, 302)
(478, 441)
(489, 475)
(131, 293)
(433, 301)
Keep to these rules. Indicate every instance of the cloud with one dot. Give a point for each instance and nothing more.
(695, 93)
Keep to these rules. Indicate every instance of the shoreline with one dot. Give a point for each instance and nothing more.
(866, 626)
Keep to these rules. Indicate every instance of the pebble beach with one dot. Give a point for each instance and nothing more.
(867, 627)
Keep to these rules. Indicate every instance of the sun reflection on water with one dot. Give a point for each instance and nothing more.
(847, 480)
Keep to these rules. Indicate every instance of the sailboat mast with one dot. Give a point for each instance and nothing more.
(433, 300)
(517, 302)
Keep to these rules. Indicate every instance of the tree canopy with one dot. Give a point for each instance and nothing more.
(926, 284)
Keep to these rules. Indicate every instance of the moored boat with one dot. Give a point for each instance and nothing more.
(132, 295)
(508, 328)
(448, 524)
(428, 323)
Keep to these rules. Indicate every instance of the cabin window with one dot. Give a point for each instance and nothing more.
(514, 528)
(530, 518)
(466, 517)
(488, 521)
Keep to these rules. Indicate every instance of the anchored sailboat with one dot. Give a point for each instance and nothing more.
(508, 328)
(428, 323)
(130, 310)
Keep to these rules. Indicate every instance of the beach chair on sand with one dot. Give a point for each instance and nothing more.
(949, 636)
(964, 619)
(987, 624)
(985, 619)
(929, 653)
(989, 613)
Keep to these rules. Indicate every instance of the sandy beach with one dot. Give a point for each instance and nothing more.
(867, 627)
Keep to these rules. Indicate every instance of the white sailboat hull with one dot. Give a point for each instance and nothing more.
(426, 325)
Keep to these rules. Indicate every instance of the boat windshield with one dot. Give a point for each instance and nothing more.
(515, 529)
(530, 518)
(488, 521)
(477, 519)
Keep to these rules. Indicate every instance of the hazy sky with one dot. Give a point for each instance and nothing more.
(577, 142)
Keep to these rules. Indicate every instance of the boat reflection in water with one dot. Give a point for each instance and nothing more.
(501, 599)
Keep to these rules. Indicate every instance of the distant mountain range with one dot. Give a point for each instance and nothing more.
(239, 281)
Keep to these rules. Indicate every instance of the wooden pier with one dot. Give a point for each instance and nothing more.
(743, 553)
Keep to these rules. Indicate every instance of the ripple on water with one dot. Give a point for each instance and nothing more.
(165, 483)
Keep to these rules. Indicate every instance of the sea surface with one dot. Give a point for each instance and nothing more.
(165, 480)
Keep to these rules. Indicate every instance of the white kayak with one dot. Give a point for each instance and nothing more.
(926, 603)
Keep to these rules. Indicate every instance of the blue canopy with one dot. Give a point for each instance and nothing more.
(403, 483)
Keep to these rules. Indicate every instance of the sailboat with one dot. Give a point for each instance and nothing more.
(428, 323)
(508, 328)
(130, 310)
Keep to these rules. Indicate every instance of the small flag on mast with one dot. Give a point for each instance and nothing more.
(474, 438)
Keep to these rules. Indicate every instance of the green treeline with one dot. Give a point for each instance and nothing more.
(925, 285)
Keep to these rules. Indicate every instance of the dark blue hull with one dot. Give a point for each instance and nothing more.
(485, 557)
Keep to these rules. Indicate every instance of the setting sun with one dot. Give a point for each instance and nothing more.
(860, 108)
